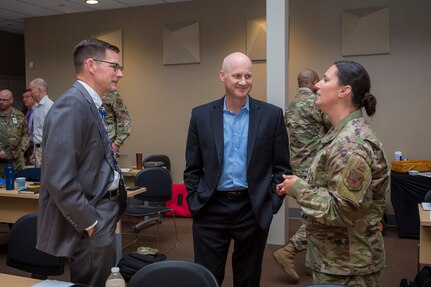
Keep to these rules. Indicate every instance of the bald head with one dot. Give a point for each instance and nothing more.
(307, 79)
(6, 100)
(237, 75)
(236, 58)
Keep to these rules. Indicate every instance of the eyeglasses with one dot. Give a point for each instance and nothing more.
(113, 65)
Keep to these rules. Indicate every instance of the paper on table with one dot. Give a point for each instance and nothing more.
(426, 205)
(53, 283)
(427, 174)
(125, 169)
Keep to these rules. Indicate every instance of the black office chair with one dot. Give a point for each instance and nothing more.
(173, 273)
(157, 160)
(30, 174)
(158, 184)
(23, 255)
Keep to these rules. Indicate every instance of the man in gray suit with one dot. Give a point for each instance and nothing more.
(79, 198)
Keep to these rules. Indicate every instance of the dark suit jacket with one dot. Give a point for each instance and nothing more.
(267, 156)
(77, 168)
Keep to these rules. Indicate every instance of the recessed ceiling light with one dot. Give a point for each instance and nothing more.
(92, 2)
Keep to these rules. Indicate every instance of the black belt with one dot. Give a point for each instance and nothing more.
(232, 194)
(111, 194)
(38, 145)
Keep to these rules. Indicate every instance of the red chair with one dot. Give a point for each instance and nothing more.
(178, 202)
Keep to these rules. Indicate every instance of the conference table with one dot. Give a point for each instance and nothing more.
(129, 175)
(17, 281)
(20, 281)
(424, 236)
(14, 205)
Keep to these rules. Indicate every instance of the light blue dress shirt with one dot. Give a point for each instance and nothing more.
(235, 132)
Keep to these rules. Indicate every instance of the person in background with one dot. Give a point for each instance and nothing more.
(82, 197)
(39, 90)
(237, 150)
(29, 103)
(306, 125)
(343, 197)
(117, 120)
(14, 134)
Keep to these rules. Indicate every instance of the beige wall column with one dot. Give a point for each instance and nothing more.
(277, 53)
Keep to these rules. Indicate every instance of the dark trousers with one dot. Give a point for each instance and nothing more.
(94, 256)
(224, 219)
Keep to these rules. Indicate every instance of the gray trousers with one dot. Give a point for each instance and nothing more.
(94, 256)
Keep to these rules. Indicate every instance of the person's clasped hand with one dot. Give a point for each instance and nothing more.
(286, 186)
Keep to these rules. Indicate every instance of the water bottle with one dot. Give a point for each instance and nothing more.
(115, 279)
(8, 170)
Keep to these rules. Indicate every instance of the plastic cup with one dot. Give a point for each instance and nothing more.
(20, 182)
(398, 155)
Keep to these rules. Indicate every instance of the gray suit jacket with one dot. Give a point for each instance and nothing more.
(77, 168)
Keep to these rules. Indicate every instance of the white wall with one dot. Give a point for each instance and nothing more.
(159, 98)
(399, 80)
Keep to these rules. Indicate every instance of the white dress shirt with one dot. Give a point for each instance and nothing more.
(40, 110)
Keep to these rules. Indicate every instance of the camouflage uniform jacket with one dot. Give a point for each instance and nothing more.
(117, 118)
(14, 137)
(344, 200)
(306, 126)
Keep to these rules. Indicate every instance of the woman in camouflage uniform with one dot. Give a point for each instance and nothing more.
(343, 196)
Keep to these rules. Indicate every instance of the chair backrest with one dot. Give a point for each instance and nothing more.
(23, 255)
(325, 285)
(157, 181)
(158, 158)
(173, 273)
(30, 174)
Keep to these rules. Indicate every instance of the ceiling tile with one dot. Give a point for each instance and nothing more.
(134, 3)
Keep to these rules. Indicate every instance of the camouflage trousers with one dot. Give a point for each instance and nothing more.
(367, 280)
(299, 239)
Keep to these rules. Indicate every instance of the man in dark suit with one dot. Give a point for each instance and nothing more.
(237, 151)
(79, 200)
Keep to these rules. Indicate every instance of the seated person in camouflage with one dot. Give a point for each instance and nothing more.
(343, 196)
(117, 120)
(306, 125)
(14, 139)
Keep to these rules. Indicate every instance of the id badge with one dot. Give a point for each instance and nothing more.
(14, 120)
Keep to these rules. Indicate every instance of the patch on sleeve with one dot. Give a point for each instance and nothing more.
(354, 180)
